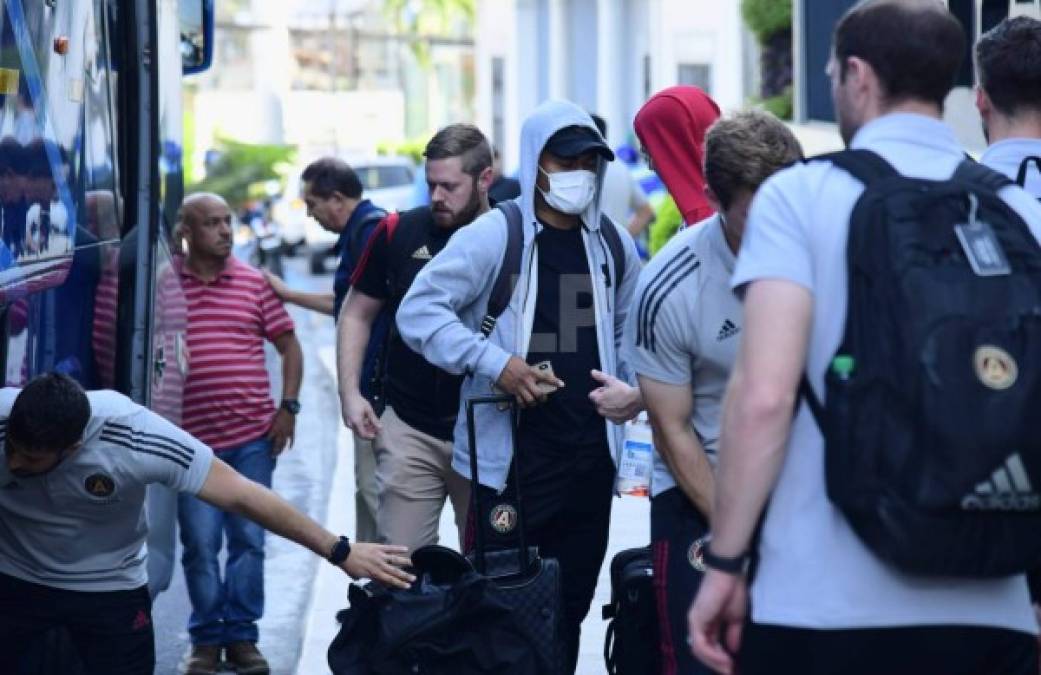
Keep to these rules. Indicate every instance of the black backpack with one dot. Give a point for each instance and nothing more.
(631, 645)
(932, 453)
(502, 288)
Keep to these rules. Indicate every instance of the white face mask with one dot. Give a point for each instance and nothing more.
(570, 191)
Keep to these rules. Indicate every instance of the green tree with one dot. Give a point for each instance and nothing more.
(241, 167)
(422, 19)
(771, 23)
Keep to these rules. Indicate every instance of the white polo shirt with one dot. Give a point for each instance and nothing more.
(684, 328)
(814, 571)
(1007, 155)
(82, 527)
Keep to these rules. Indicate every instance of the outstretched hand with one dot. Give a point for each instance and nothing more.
(379, 562)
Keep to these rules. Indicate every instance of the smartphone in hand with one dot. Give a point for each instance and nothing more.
(546, 388)
(547, 368)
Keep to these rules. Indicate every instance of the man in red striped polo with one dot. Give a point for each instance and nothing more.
(227, 405)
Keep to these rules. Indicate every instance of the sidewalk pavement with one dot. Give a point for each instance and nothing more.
(630, 527)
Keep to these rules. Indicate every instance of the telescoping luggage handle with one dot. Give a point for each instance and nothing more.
(522, 551)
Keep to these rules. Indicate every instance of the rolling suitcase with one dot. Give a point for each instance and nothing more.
(528, 583)
(631, 642)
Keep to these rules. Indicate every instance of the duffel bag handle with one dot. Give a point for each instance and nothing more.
(471, 431)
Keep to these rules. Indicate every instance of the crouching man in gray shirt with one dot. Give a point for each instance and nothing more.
(72, 525)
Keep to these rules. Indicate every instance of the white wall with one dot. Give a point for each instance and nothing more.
(592, 52)
(702, 32)
(495, 34)
(269, 49)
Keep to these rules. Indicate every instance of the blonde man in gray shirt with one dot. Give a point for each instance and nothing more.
(682, 336)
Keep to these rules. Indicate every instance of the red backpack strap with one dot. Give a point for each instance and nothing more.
(387, 224)
(390, 224)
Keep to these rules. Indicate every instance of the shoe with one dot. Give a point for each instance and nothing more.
(245, 659)
(201, 660)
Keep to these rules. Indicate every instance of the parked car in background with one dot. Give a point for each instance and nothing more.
(289, 213)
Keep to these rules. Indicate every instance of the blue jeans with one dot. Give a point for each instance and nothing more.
(225, 610)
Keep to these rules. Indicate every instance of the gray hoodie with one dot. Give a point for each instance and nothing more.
(441, 315)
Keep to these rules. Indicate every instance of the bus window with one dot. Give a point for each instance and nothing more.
(60, 207)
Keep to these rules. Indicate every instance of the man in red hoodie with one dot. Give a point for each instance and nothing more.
(671, 127)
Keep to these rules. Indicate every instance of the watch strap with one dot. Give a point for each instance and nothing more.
(340, 550)
(734, 565)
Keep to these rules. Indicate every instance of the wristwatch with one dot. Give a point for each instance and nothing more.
(291, 405)
(340, 550)
(736, 565)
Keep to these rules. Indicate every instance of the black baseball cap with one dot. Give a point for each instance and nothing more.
(573, 141)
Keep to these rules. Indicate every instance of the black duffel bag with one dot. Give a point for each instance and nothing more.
(631, 644)
(452, 621)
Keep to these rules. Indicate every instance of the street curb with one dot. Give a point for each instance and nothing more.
(329, 591)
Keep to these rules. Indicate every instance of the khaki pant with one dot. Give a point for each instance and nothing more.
(366, 496)
(414, 474)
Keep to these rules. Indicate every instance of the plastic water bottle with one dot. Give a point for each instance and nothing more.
(842, 366)
(634, 470)
(838, 424)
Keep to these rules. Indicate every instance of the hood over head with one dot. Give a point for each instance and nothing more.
(671, 127)
(545, 121)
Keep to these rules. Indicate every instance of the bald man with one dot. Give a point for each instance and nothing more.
(232, 310)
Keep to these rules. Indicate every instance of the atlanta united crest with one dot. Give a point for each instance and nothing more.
(995, 367)
(503, 518)
(99, 485)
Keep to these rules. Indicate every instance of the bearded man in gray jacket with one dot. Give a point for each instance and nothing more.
(568, 307)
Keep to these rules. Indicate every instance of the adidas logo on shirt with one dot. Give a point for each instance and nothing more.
(1008, 489)
(422, 253)
(728, 330)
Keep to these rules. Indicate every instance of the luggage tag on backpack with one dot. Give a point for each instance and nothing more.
(981, 245)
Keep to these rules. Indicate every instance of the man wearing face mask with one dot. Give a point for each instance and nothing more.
(568, 308)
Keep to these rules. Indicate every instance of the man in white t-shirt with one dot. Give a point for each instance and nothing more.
(1008, 63)
(1008, 60)
(822, 602)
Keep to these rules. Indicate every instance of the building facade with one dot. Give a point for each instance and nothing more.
(606, 55)
(814, 20)
(328, 76)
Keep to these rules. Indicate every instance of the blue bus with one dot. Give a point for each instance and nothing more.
(90, 181)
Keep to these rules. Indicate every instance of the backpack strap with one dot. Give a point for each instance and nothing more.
(1021, 175)
(391, 226)
(359, 238)
(614, 244)
(978, 174)
(864, 165)
(807, 394)
(502, 289)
